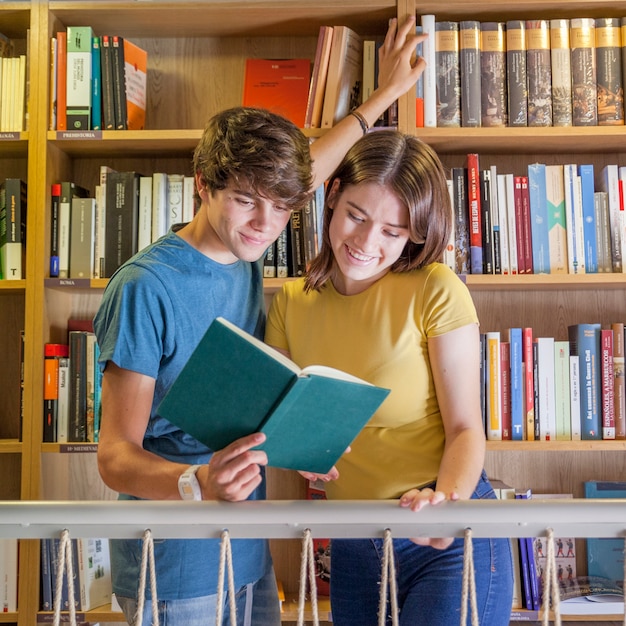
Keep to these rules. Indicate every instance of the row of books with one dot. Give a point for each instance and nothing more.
(554, 219)
(539, 388)
(12, 228)
(559, 72)
(72, 388)
(90, 237)
(91, 564)
(13, 100)
(8, 575)
(96, 82)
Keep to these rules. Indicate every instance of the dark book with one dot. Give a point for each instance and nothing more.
(119, 83)
(69, 191)
(448, 74)
(560, 58)
(77, 426)
(234, 385)
(46, 576)
(108, 101)
(269, 262)
(12, 228)
(82, 237)
(539, 73)
(55, 199)
(609, 72)
(122, 217)
(282, 254)
(517, 89)
(530, 582)
(493, 99)
(584, 76)
(585, 343)
(309, 231)
(461, 220)
(295, 243)
(470, 67)
(486, 226)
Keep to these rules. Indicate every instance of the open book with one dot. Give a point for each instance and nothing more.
(234, 385)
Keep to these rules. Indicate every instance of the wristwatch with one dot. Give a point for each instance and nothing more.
(188, 485)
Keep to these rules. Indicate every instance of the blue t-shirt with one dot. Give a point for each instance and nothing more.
(154, 311)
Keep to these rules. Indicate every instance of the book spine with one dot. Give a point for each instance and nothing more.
(509, 191)
(539, 73)
(96, 85)
(529, 383)
(430, 72)
(419, 83)
(63, 406)
(52, 79)
(519, 225)
(539, 218)
(144, 223)
(584, 87)
(487, 226)
(175, 198)
(50, 395)
(505, 390)
(77, 430)
(449, 253)
(546, 390)
(588, 224)
(12, 227)
(78, 103)
(135, 86)
(536, 403)
(61, 110)
(97, 392)
(562, 390)
(607, 375)
(557, 233)
(90, 340)
(609, 72)
(516, 376)
(296, 244)
(448, 74)
(46, 576)
(526, 227)
(609, 183)
(474, 214)
(108, 99)
(160, 213)
(282, 263)
(308, 232)
(493, 97)
(516, 72)
(81, 237)
(619, 382)
(573, 219)
(502, 220)
(560, 56)
(119, 90)
(269, 262)
(574, 387)
(317, 88)
(461, 220)
(469, 62)
(55, 198)
(603, 231)
(494, 387)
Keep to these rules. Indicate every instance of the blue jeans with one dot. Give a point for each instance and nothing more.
(429, 581)
(257, 605)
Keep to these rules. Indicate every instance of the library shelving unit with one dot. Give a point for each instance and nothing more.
(196, 61)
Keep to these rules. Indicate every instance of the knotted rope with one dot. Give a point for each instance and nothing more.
(468, 590)
(307, 568)
(226, 563)
(147, 557)
(66, 565)
(388, 579)
(550, 585)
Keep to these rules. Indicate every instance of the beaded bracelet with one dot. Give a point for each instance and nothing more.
(362, 121)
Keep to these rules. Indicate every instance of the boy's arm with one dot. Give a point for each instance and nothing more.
(232, 474)
(399, 71)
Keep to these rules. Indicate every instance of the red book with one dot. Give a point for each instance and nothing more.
(505, 389)
(475, 225)
(519, 226)
(529, 384)
(608, 382)
(527, 242)
(61, 80)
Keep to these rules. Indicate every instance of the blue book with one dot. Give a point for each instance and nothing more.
(584, 340)
(514, 337)
(46, 576)
(589, 218)
(96, 85)
(605, 557)
(528, 564)
(539, 218)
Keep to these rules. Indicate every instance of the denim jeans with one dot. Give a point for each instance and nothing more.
(257, 605)
(429, 581)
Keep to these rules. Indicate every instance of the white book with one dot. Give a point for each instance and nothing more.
(144, 224)
(20, 97)
(609, 182)
(100, 230)
(82, 218)
(369, 69)
(493, 382)
(160, 217)
(175, 198)
(545, 381)
(430, 73)
(94, 573)
(189, 198)
(448, 253)
(574, 386)
(8, 575)
(65, 212)
(63, 403)
(503, 221)
(574, 220)
(562, 393)
(509, 181)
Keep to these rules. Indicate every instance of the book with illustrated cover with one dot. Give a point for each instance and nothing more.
(539, 73)
(591, 595)
(469, 63)
(619, 383)
(560, 58)
(584, 85)
(234, 385)
(517, 88)
(493, 99)
(448, 74)
(609, 72)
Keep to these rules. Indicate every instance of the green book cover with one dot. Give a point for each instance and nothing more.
(234, 385)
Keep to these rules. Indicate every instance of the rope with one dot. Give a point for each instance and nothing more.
(226, 563)
(66, 564)
(551, 585)
(147, 557)
(307, 567)
(388, 579)
(468, 590)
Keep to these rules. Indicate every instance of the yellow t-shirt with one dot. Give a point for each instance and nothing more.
(380, 335)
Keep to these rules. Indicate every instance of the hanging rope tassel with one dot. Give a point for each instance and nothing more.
(468, 591)
(147, 557)
(66, 566)
(307, 569)
(388, 579)
(551, 595)
(226, 567)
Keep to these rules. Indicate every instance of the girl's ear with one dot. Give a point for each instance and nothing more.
(333, 193)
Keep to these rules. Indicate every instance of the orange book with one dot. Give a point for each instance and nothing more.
(61, 80)
(135, 78)
(280, 85)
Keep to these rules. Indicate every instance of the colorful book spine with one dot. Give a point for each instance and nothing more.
(609, 72)
(609, 183)
(519, 225)
(78, 88)
(539, 218)
(106, 72)
(607, 377)
(517, 88)
(487, 227)
(55, 198)
(469, 62)
(560, 56)
(529, 382)
(96, 85)
(573, 220)
(493, 97)
(493, 387)
(562, 390)
(514, 338)
(619, 383)
(585, 343)
(448, 74)
(430, 73)
(461, 220)
(589, 227)
(501, 208)
(527, 239)
(539, 73)
(475, 213)
(557, 231)
(584, 87)
(603, 231)
(505, 390)
(61, 110)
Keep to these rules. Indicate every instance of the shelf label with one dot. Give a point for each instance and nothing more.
(10, 136)
(79, 134)
(69, 448)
